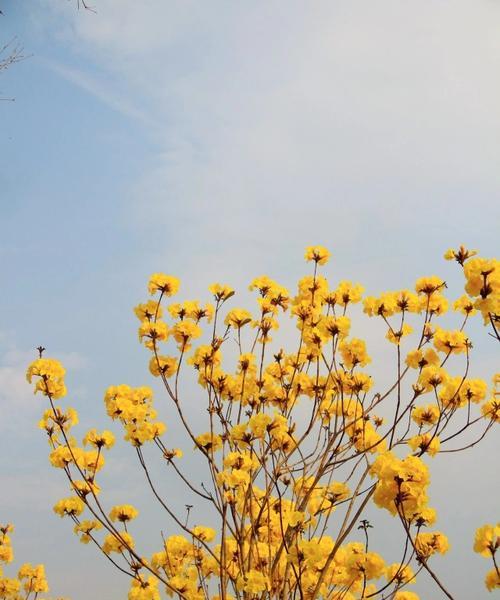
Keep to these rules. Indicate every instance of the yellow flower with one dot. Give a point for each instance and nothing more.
(363, 564)
(402, 484)
(259, 424)
(191, 309)
(35, 578)
(429, 543)
(491, 410)
(405, 595)
(221, 292)
(436, 304)
(335, 326)
(432, 377)
(85, 529)
(492, 580)
(9, 588)
(487, 540)
(429, 285)
(123, 513)
(72, 506)
(148, 311)
(465, 305)
(105, 439)
(51, 377)
(395, 336)
(460, 255)
(114, 544)
(85, 487)
(347, 292)
(166, 284)
(483, 277)
(155, 331)
(174, 453)
(144, 589)
(418, 359)
(205, 357)
(318, 254)
(450, 341)
(48, 368)
(163, 365)
(62, 456)
(253, 581)
(209, 441)
(206, 534)
(425, 415)
(354, 353)
(54, 419)
(400, 573)
(184, 332)
(425, 443)
(385, 306)
(237, 318)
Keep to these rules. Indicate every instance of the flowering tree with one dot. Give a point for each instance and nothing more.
(297, 444)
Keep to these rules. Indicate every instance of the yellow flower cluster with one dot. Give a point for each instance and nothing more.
(50, 377)
(134, 408)
(482, 284)
(291, 436)
(30, 580)
(486, 543)
(401, 484)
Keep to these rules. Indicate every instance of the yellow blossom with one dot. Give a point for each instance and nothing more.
(318, 254)
(450, 341)
(85, 529)
(206, 534)
(492, 580)
(123, 513)
(184, 332)
(487, 540)
(429, 543)
(166, 284)
(209, 441)
(395, 336)
(425, 415)
(104, 439)
(113, 543)
(429, 285)
(221, 292)
(427, 443)
(354, 353)
(237, 318)
(148, 311)
(72, 506)
(163, 365)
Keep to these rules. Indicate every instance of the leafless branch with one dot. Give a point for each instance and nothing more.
(11, 53)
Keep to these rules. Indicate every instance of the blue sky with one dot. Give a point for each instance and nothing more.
(215, 141)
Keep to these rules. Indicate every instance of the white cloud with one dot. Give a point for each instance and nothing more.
(276, 126)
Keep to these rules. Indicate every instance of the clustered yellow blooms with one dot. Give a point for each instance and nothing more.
(50, 377)
(30, 581)
(482, 285)
(486, 543)
(133, 407)
(401, 485)
(291, 436)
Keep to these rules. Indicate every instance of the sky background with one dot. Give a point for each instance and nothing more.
(214, 141)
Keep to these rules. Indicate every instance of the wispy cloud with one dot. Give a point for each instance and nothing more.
(284, 121)
(99, 89)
